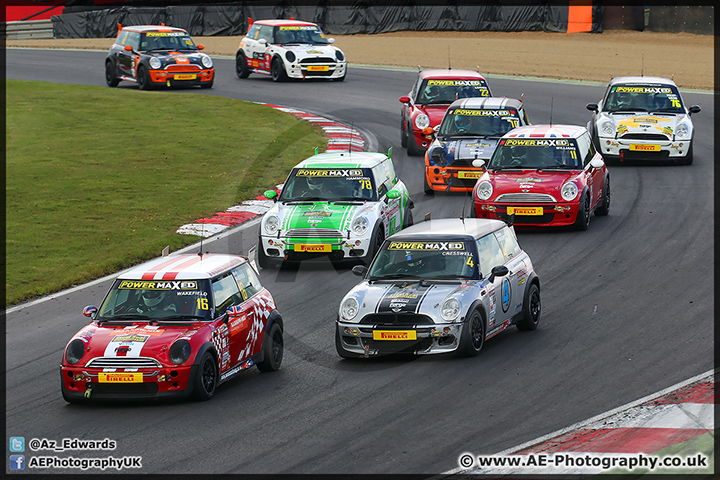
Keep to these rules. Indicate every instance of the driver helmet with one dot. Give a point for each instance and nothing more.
(315, 183)
(432, 92)
(518, 152)
(462, 123)
(624, 100)
(152, 298)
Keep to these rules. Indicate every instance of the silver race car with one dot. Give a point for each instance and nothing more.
(439, 286)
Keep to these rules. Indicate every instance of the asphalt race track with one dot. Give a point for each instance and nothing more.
(627, 311)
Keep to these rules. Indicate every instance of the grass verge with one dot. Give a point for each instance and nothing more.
(99, 179)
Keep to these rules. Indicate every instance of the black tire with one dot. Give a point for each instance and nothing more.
(241, 68)
(688, 160)
(206, 379)
(263, 260)
(110, 75)
(408, 220)
(604, 208)
(413, 149)
(472, 337)
(426, 186)
(274, 347)
(378, 239)
(277, 70)
(403, 134)
(583, 217)
(207, 85)
(143, 79)
(531, 309)
(340, 349)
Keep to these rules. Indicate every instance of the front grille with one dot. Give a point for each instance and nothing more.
(123, 362)
(633, 155)
(526, 198)
(461, 163)
(313, 233)
(653, 137)
(390, 319)
(183, 68)
(145, 389)
(319, 74)
(327, 60)
(398, 346)
(528, 219)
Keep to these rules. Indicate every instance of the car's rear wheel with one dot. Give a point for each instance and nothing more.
(110, 76)
(241, 68)
(378, 239)
(206, 379)
(274, 347)
(143, 79)
(277, 70)
(604, 208)
(531, 309)
(472, 337)
(583, 216)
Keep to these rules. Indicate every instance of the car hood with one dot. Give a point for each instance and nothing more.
(306, 50)
(319, 215)
(470, 148)
(529, 181)
(131, 341)
(434, 112)
(179, 57)
(642, 122)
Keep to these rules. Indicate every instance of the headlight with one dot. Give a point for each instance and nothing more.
(569, 191)
(359, 225)
(207, 61)
(155, 63)
(272, 224)
(179, 352)
(608, 129)
(75, 351)
(290, 56)
(349, 308)
(422, 121)
(682, 131)
(339, 55)
(450, 310)
(484, 190)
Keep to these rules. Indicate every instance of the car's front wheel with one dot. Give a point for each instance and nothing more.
(426, 186)
(688, 160)
(604, 208)
(472, 337)
(143, 79)
(206, 379)
(531, 309)
(413, 149)
(241, 68)
(263, 260)
(274, 347)
(277, 70)
(583, 216)
(110, 76)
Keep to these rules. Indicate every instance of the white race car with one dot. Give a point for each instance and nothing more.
(642, 118)
(289, 49)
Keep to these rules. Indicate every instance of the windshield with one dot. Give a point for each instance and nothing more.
(472, 122)
(425, 260)
(166, 41)
(541, 153)
(445, 92)
(156, 300)
(643, 98)
(354, 184)
(299, 34)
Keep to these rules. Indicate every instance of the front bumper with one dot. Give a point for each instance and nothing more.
(619, 148)
(325, 70)
(452, 179)
(535, 214)
(374, 340)
(297, 248)
(80, 383)
(182, 77)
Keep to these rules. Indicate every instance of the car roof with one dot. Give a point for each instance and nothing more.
(153, 28)
(546, 131)
(443, 228)
(184, 267)
(277, 22)
(642, 80)
(450, 73)
(343, 160)
(486, 103)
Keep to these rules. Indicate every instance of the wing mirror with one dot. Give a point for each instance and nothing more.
(478, 162)
(393, 194)
(593, 107)
(262, 42)
(596, 163)
(271, 195)
(128, 48)
(694, 109)
(90, 311)
(359, 270)
(404, 99)
(499, 271)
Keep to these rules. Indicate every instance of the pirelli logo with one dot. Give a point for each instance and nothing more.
(394, 335)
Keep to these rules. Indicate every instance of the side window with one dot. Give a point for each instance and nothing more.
(253, 32)
(508, 242)
(225, 293)
(266, 33)
(525, 118)
(489, 254)
(413, 91)
(122, 38)
(390, 169)
(133, 40)
(247, 281)
(585, 147)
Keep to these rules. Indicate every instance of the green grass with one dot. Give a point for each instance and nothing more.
(99, 179)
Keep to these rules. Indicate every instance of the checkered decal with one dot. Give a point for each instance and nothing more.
(263, 305)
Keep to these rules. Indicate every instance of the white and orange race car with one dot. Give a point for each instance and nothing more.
(287, 49)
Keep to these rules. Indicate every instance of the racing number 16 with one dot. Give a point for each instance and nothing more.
(202, 303)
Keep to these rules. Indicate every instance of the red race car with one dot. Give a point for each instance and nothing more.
(177, 326)
(544, 175)
(425, 105)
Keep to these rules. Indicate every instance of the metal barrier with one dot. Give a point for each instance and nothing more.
(28, 29)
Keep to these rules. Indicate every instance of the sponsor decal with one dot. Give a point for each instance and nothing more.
(480, 113)
(157, 285)
(141, 331)
(525, 210)
(529, 180)
(318, 68)
(317, 213)
(318, 247)
(305, 172)
(479, 144)
(297, 27)
(402, 299)
(641, 89)
(115, 377)
(426, 246)
(165, 34)
(130, 338)
(470, 175)
(645, 120)
(394, 335)
(531, 142)
(644, 148)
(457, 83)
(238, 324)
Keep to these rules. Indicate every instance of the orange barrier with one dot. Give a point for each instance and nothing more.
(579, 16)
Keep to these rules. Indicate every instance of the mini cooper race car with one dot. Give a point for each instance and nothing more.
(154, 56)
(439, 286)
(643, 118)
(341, 205)
(177, 326)
(469, 131)
(425, 105)
(289, 49)
(544, 175)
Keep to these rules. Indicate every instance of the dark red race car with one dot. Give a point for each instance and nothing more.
(431, 95)
(546, 175)
(177, 326)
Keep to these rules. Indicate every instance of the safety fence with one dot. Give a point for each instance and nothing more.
(28, 29)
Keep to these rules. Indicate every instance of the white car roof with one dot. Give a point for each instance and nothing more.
(546, 131)
(343, 160)
(488, 103)
(642, 80)
(184, 267)
(449, 227)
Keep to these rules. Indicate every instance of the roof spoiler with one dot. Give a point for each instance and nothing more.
(119, 28)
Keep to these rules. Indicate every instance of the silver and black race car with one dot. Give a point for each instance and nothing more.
(439, 286)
